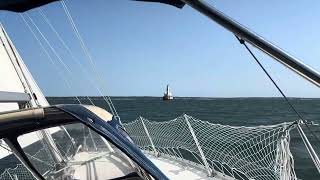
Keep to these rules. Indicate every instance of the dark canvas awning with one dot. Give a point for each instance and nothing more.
(24, 5)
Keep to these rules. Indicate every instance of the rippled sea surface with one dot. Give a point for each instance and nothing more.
(228, 111)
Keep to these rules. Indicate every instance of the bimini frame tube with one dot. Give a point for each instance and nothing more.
(256, 40)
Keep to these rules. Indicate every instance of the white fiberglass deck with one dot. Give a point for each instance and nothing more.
(88, 166)
(92, 166)
(175, 169)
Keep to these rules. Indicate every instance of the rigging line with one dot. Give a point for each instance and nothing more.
(86, 52)
(82, 45)
(68, 83)
(49, 44)
(56, 54)
(40, 11)
(28, 86)
(4, 147)
(278, 88)
(20, 78)
(63, 43)
(18, 74)
(49, 57)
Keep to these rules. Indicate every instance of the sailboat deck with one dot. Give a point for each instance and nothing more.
(174, 169)
(90, 165)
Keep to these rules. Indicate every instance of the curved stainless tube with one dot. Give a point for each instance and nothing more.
(254, 39)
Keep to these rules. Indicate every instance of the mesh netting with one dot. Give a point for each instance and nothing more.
(19, 172)
(260, 152)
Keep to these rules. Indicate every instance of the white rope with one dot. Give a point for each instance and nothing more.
(67, 68)
(86, 52)
(40, 11)
(67, 83)
(89, 58)
(49, 44)
(61, 40)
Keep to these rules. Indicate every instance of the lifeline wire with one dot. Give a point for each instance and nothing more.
(62, 42)
(89, 58)
(68, 84)
(275, 84)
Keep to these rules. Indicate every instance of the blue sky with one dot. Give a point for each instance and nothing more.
(140, 47)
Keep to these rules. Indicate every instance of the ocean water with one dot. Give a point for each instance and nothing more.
(228, 111)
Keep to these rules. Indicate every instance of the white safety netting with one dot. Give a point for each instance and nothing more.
(41, 160)
(19, 172)
(260, 152)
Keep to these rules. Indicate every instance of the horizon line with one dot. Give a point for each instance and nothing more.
(84, 96)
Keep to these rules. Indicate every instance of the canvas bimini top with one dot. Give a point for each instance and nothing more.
(25, 5)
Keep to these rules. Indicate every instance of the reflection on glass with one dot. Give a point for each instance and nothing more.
(76, 152)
